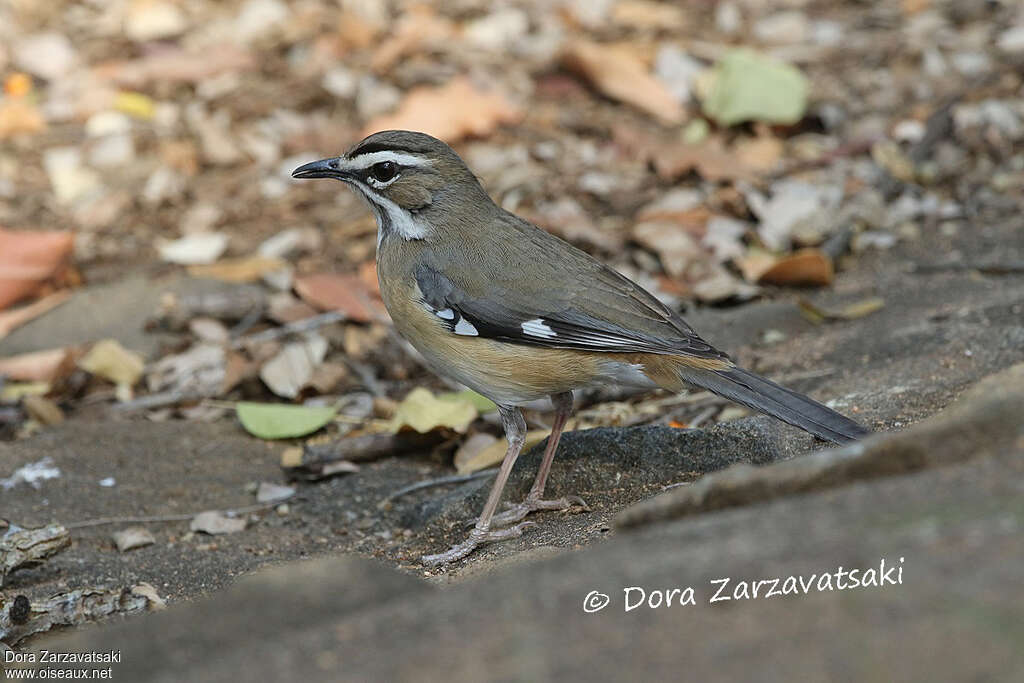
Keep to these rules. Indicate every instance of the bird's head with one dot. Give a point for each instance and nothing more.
(411, 180)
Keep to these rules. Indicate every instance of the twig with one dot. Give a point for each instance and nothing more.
(304, 325)
(101, 521)
(440, 481)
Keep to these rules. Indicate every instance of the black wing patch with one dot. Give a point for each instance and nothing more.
(503, 320)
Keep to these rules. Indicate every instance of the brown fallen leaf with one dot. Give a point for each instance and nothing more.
(760, 154)
(341, 292)
(247, 269)
(35, 366)
(11, 320)
(810, 266)
(672, 158)
(28, 259)
(620, 74)
(453, 111)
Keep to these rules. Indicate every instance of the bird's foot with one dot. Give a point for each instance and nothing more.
(515, 512)
(476, 537)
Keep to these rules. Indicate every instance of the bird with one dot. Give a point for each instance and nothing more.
(518, 314)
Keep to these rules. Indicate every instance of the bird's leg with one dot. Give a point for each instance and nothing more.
(534, 500)
(515, 433)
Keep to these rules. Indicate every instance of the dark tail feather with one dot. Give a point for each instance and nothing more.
(761, 394)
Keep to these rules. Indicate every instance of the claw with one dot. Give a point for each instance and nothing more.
(476, 538)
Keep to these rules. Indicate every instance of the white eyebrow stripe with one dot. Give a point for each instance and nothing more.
(364, 161)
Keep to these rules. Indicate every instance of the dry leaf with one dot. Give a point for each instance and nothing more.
(450, 112)
(345, 293)
(675, 248)
(620, 74)
(248, 269)
(472, 447)
(858, 309)
(292, 368)
(424, 412)
(495, 453)
(35, 366)
(216, 522)
(43, 410)
(111, 361)
(28, 259)
(132, 537)
(804, 267)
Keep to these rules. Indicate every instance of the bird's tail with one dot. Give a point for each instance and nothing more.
(761, 394)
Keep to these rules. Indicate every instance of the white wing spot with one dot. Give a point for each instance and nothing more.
(538, 328)
(466, 329)
(446, 313)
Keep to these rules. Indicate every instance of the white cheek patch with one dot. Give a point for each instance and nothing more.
(538, 328)
(401, 221)
(466, 329)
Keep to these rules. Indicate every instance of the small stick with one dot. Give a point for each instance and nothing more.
(440, 481)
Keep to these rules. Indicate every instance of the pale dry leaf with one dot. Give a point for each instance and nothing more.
(453, 111)
(132, 537)
(177, 66)
(216, 522)
(472, 447)
(495, 453)
(246, 269)
(423, 412)
(676, 249)
(111, 361)
(419, 27)
(621, 75)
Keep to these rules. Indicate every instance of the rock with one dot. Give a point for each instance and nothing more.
(272, 493)
(132, 538)
(196, 248)
(985, 421)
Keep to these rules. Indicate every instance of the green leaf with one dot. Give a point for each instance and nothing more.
(482, 403)
(281, 420)
(747, 86)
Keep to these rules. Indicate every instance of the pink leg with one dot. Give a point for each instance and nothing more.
(515, 432)
(534, 501)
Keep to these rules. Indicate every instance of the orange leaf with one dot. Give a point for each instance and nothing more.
(345, 293)
(36, 366)
(29, 259)
(11, 320)
(805, 267)
(450, 112)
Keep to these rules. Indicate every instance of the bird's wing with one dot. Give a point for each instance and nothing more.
(587, 306)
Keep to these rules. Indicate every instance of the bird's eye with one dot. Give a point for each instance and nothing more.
(384, 171)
